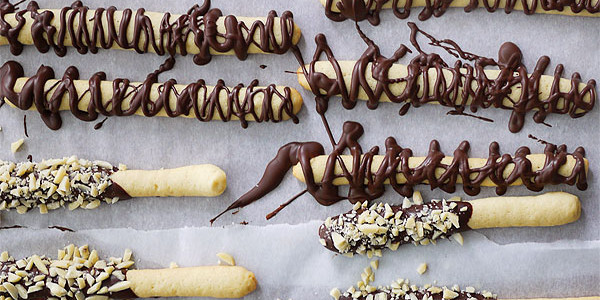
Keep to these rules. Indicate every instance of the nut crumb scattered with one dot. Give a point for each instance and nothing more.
(226, 258)
(422, 268)
(15, 146)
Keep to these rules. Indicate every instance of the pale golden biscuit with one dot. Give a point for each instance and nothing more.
(367, 230)
(537, 161)
(549, 209)
(189, 181)
(208, 281)
(155, 17)
(106, 88)
(400, 71)
(78, 273)
(78, 183)
(464, 3)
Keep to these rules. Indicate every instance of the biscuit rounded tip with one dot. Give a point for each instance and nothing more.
(296, 100)
(549, 209)
(296, 35)
(190, 181)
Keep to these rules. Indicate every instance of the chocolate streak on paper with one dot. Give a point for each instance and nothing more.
(194, 99)
(199, 24)
(359, 10)
(464, 77)
(61, 228)
(368, 185)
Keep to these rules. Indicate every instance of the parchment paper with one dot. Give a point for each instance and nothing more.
(284, 252)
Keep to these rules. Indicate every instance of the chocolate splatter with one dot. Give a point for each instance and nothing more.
(99, 124)
(531, 136)
(25, 125)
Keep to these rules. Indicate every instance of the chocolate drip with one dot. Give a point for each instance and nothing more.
(100, 124)
(368, 185)
(287, 156)
(193, 99)
(199, 25)
(360, 10)
(470, 82)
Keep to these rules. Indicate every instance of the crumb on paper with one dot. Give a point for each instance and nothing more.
(226, 258)
(458, 238)
(375, 264)
(422, 268)
(335, 293)
(14, 147)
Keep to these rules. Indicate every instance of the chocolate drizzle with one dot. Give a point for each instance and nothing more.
(368, 185)
(198, 25)
(454, 85)
(359, 10)
(193, 100)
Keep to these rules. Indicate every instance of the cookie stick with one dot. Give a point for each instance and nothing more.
(79, 273)
(538, 163)
(366, 230)
(86, 99)
(459, 87)
(401, 71)
(207, 281)
(79, 183)
(401, 288)
(371, 8)
(201, 32)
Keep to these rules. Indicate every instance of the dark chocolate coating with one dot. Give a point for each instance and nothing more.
(415, 211)
(45, 292)
(420, 294)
